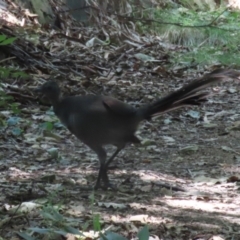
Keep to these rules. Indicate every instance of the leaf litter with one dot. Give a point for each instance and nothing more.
(182, 181)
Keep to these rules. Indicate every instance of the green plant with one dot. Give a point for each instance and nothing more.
(211, 37)
(95, 217)
(56, 222)
(12, 122)
(11, 72)
(143, 233)
(4, 40)
(6, 101)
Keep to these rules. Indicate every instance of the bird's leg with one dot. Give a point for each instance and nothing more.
(105, 178)
(102, 159)
(102, 174)
(113, 156)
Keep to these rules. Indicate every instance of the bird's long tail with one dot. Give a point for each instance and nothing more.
(190, 94)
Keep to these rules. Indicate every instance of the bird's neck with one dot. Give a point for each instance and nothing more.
(55, 99)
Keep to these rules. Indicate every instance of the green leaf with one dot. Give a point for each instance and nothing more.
(7, 41)
(72, 230)
(14, 108)
(6, 97)
(47, 215)
(61, 232)
(2, 123)
(2, 37)
(143, 234)
(19, 74)
(96, 222)
(4, 73)
(85, 225)
(47, 126)
(2, 103)
(57, 215)
(41, 230)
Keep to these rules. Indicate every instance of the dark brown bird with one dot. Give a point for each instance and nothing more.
(100, 120)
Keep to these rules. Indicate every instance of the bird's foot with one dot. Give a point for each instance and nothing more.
(109, 185)
(105, 186)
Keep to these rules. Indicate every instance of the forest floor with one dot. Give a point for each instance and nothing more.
(183, 181)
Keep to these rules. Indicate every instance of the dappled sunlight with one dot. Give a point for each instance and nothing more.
(207, 205)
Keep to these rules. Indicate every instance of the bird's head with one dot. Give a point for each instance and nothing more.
(50, 90)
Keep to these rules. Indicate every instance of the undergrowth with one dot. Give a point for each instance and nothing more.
(208, 37)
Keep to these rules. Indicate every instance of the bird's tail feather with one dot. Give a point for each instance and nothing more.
(188, 95)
